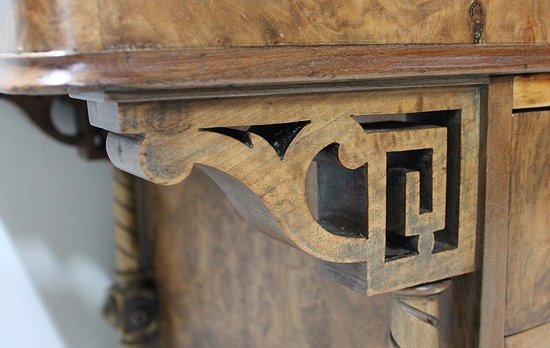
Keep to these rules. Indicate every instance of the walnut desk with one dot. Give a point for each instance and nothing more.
(396, 152)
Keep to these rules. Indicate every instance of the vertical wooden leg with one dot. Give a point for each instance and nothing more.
(131, 306)
(415, 316)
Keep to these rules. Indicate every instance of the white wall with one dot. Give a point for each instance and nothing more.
(56, 240)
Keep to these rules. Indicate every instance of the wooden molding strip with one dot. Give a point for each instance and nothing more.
(498, 145)
(532, 91)
(57, 72)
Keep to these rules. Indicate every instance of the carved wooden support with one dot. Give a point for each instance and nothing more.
(385, 179)
(415, 316)
(132, 304)
(89, 140)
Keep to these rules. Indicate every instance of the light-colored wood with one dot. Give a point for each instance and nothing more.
(265, 23)
(57, 72)
(86, 26)
(56, 25)
(174, 136)
(415, 316)
(531, 91)
(498, 144)
(536, 337)
(528, 285)
(517, 21)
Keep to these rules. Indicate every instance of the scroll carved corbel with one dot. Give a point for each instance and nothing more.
(398, 170)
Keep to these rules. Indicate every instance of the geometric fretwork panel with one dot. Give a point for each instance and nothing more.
(416, 184)
(382, 186)
(411, 183)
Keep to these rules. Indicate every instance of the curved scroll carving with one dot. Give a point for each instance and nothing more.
(260, 150)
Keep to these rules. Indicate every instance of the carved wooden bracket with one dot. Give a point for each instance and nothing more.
(385, 179)
(89, 140)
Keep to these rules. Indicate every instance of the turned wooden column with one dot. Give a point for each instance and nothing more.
(131, 305)
(415, 316)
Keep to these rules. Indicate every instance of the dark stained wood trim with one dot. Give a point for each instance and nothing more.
(56, 72)
(249, 91)
(496, 212)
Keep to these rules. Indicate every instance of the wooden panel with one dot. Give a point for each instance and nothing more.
(537, 337)
(53, 25)
(195, 23)
(224, 284)
(495, 232)
(56, 25)
(47, 25)
(517, 21)
(528, 290)
(531, 91)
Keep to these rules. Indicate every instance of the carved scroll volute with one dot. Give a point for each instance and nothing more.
(260, 150)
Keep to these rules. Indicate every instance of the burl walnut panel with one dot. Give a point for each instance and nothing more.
(528, 290)
(75, 25)
(223, 284)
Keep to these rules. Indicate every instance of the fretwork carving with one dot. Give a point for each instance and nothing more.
(385, 179)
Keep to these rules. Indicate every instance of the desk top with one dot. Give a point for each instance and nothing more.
(54, 46)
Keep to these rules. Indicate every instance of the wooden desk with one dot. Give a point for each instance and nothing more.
(392, 145)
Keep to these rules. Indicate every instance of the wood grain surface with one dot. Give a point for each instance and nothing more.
(88, 26)
(517, 21)
(536, 337)
(496, 183)
(528, 289)
(531, 91)
(416, 316)
(170, 145)
(57, 72)
(223, 284)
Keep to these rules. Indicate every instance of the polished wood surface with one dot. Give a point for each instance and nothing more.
(531, 91)
(528, 285)
(88, 26)
(57, 72)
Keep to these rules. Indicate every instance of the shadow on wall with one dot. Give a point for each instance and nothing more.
(55, 207)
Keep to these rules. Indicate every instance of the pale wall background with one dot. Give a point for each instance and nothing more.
(56, 240)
